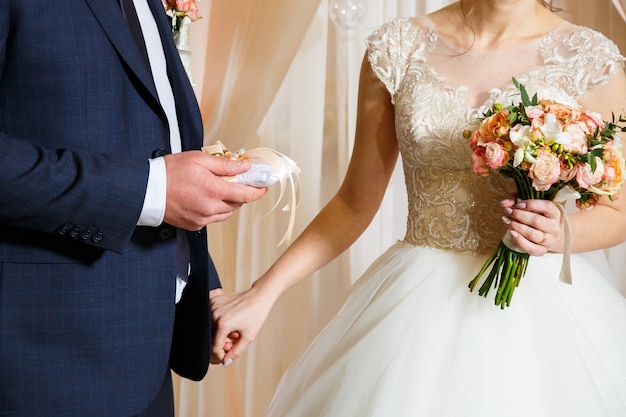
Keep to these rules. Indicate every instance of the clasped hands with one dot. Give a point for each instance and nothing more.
(237, 319)
(535, 226)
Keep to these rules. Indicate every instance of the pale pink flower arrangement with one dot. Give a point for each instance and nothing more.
(179, 9)
(544, 146)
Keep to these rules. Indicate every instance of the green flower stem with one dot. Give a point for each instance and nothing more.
(507, 266)
(510, 266)
(473, 282)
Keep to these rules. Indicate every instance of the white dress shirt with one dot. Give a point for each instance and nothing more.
(154, 202)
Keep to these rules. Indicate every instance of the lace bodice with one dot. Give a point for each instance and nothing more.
(438, 91)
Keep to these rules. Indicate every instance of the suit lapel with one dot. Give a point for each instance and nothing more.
(110, 17)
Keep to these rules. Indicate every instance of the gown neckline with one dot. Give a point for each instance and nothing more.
(535, 42)
(445, 85)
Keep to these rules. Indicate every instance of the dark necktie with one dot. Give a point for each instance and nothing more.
(182, 254)
(130, 14)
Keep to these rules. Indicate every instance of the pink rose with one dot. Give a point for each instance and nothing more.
(545, 171)
(473, 140)
(567, 173)
(183, 5)
(585, 177)
(588, 204)
(578, 138)
(189, 7)
(534, 112)
(495, 155)
(592, 121)
(479, 165)
(183, 8)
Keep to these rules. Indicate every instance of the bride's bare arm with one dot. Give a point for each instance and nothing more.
(333, 230)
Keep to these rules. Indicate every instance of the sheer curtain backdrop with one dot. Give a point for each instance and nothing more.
(280, 74)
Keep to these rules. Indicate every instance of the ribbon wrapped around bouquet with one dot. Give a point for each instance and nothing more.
(267, 168)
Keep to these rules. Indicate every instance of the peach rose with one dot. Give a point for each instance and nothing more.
(564, 114)
(495, 155)
(614, 160)
(613, 175)
(545, 171)
(495, 126)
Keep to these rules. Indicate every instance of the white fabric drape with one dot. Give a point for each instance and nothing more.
(278, 73)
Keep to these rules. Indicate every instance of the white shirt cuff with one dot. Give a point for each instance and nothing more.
(153, 209)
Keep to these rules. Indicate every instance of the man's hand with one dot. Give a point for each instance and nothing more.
(197, 196)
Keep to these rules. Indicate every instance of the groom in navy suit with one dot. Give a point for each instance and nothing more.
(100, 212)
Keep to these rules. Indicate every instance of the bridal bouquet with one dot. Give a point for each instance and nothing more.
(546, 148)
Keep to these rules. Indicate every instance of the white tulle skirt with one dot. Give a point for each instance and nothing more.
(411, 340)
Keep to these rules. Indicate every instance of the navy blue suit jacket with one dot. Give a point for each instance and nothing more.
(87, 307)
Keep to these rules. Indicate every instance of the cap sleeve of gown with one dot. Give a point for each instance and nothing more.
(592, 58)
(392, 46)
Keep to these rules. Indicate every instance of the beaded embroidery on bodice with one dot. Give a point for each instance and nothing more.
(450, 207)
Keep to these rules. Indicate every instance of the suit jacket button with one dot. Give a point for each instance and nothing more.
(63, 230)
(97, 237)
(166, 233)
(86, 235)
(74, 233)
(159, 152)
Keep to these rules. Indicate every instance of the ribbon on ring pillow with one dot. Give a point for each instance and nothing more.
(268, 167)
(560, 198)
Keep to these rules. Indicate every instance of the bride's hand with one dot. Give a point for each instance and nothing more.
(237, 319)
(535, 225)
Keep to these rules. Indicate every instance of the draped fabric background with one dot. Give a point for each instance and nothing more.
(280, 74)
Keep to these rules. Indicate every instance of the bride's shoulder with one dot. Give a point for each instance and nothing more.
(407, 27)
(404, 32)
(588, 58)
(581, 40)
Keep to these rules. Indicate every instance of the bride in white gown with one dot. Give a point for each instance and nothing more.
(411, 340)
